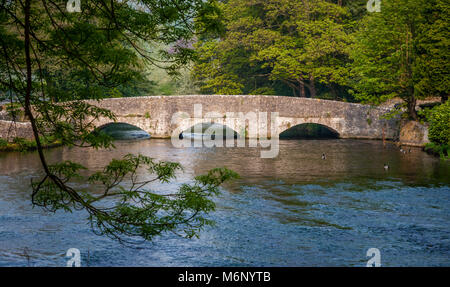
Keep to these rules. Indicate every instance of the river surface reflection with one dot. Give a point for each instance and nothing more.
(293, 210)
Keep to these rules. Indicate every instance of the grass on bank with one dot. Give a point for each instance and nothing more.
(23, 145)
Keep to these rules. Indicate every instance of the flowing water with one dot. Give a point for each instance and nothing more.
(293, 210)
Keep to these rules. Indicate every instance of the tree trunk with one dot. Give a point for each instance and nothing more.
(293, 86)
(312, 87)
(412, 113)
(334, 92)
(302, 88)
(29, 82)
(293, 92)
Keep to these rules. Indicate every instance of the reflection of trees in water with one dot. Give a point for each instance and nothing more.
(299, 161)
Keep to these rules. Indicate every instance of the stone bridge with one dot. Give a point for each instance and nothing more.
(164, 116)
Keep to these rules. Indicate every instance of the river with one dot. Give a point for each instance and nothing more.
(293, 210)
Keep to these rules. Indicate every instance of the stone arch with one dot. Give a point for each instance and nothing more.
(335, 125)
(124, 128)
(137, 121)
(207, 125)
(309, 131)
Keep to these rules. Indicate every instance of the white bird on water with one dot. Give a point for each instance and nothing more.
(324, 156)
(386, 166)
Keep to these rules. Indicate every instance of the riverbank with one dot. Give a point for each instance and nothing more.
(442, 151)
(23, 145)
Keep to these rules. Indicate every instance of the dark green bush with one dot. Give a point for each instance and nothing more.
(438, 150)
(439, 120)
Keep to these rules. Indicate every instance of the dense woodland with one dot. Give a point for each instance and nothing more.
(329, 49)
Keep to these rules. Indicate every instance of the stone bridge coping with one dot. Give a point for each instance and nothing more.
(246, 96)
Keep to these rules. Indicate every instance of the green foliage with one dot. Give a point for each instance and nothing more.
(125, 209)
(283, 47)
(51, 60)
(439, 121)
(433, 47)
(443, 151)
(332, 49)
(212, 75)
(396, 54)
(72, 123)
(24, 145)
(309, 46)
(15, 111)
(168, 84)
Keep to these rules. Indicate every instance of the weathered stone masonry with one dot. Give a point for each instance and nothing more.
(154, 115)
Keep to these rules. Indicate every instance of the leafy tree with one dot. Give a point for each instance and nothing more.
(357, 8)
(433, 50)
(181, 212)
(214, 76)
(51, 59)
(298, 43)
(309, 44)
(402, 52)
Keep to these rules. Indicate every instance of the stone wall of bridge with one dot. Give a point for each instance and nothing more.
(163, 116)
(9, 130)
(155, 114)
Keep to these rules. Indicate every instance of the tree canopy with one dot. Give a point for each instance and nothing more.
(278, 47)
(329, 49)
(395, 53)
